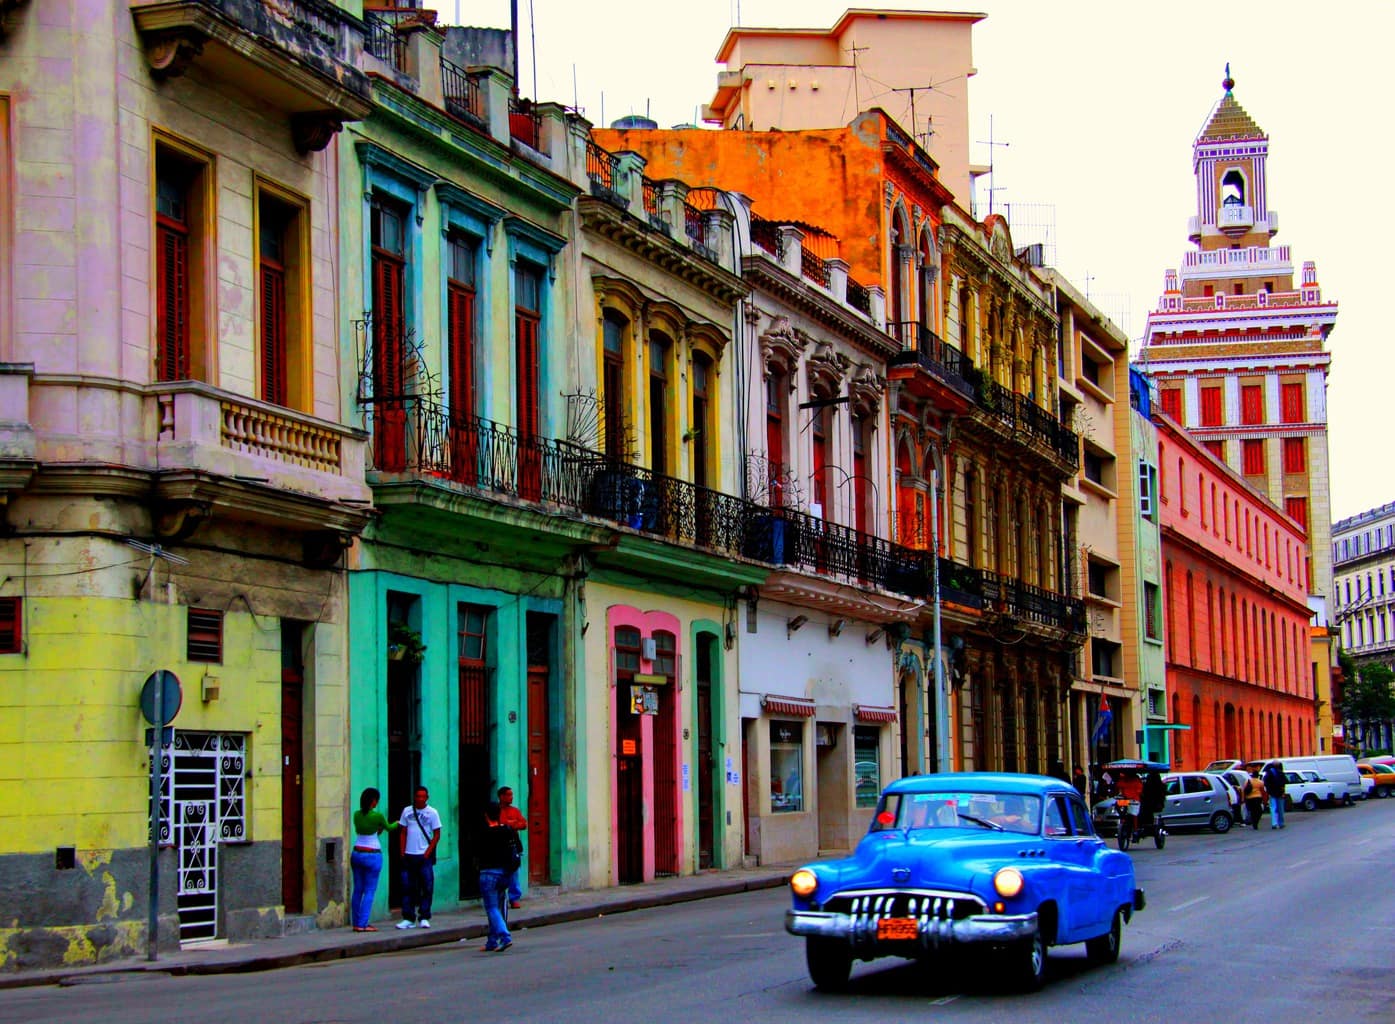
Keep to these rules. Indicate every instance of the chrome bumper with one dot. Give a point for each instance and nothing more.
(861, 929)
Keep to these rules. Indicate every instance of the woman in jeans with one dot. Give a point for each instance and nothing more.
(366, 861)
(498, 860)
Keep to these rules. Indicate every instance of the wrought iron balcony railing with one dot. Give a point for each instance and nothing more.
(525, 123)
(932, 354)
(814, 268)
(463, 95)
(766, 235)
(601, 168)
(859, 298)
(383, 41)
(652, 210)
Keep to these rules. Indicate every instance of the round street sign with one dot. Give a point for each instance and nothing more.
(171, 698)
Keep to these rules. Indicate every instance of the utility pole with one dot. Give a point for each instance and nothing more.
(991, 144)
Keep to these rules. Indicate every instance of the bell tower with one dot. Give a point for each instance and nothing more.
(1228, 159)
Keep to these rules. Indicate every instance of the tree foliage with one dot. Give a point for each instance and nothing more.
(1367, 695)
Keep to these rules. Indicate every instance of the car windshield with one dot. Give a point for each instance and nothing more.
(997, 812)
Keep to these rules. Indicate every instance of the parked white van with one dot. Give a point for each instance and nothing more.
(1339, 769)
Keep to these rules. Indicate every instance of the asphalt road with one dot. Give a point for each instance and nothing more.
(1272, 926)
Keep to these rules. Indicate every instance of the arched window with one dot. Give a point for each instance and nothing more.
(819, 437)
(910, 520)
(968, 335)
(615, 330)
(901, 242)
(660, 401)
(928, 280)
(861, 480)
(776, 392)
(1196, 727)
(1233, 188)
(972, 534)
(1191, 620)
(700, 427)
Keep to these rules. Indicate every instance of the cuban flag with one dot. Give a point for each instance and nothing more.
(1102, 721)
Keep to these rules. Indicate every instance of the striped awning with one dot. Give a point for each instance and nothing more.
(873, 713)
(799, 707)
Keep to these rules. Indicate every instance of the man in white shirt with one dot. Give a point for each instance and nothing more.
(418, 836)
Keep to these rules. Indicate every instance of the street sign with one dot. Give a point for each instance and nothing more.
(171, 697)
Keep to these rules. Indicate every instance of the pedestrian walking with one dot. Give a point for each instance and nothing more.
(1255, 796)
(1081, 782)
(419, 834)
(1275, 783)
(366, 861)
(498, 859)
(512, 817)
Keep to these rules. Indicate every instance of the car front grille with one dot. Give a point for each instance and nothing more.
(867, 906)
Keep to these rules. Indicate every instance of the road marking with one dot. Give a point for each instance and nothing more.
(1363, 842)
(1190, 903)
(943, 1000)
(1300, 863)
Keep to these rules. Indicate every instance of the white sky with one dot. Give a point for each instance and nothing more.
(1099, 103)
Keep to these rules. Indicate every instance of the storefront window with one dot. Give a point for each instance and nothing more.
(867, 764)
(786, 766)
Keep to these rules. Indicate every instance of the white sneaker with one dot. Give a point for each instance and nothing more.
(425, 922)
(406, 924)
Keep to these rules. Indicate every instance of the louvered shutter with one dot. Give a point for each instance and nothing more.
(11, 625)
(274, 353)
(1251, 404)
(1293, 403)
(172, 303)
(389, 370)
(530, 461)
(463, 429)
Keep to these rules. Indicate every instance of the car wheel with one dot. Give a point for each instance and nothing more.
(1220, 822)
(830, 963)
(1104, 949)
(1309, 802)
(1027, 963)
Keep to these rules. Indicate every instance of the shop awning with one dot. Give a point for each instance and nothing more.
(873, 713)
(775, 704)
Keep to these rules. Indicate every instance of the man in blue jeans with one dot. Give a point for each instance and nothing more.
(1275, 782)
(419, 833)
(498, 860)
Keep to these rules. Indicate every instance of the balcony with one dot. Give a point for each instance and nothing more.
(464, 96)
(298, 56)
(1026, 603)
(1008, 414)
(927, 351)
(604, 175)
(525, 124)
(1235, 215)
(252, 461)
(420, 438)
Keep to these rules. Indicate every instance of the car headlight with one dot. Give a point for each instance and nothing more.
(804, 882)
(1008, 882)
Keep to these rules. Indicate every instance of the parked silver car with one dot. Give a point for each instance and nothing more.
(1197, 798)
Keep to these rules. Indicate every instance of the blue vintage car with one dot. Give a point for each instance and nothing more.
(1009, 864)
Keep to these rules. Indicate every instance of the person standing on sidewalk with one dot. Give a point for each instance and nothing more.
(1254, 798)
(1275, 783)
(420, 832)
(512, 817)
(366, 861)
(498, 858)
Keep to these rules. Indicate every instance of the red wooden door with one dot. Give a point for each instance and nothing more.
(539, 777)
(529, 418)
(464, 431)
(706, 768)
(292, 794)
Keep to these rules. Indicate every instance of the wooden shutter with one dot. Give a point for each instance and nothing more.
(274, 352)
(1295, 455)
(461, 313)
(1216, 448)
(11, 625)
(1251, 404)
(529, 423)
(1292, 402)
(1297, 508)
(172, 301)
(1253, 458)
(1211, 407)
(1172, 402)
(389, 364)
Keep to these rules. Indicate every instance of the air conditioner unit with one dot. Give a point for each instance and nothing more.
(648, 649)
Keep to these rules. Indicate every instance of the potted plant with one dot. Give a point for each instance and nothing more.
(404, 643)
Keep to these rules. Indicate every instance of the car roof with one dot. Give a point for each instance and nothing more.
(998, 782)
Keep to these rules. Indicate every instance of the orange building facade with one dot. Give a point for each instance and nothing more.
(1235, 611)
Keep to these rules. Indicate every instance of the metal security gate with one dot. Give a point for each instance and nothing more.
(205, 774)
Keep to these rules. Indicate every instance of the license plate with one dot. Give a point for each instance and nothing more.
(897, 928)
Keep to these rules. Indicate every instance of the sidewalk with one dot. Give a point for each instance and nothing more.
(554, 907)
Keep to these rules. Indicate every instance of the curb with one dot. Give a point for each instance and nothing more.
(392, 943)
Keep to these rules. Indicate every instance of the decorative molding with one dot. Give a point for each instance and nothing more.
(169, 54)
(865, 390)
(313, 131)
(781, 347)
(826, 366)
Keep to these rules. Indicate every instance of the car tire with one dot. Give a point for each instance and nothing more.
(830, 963)
(1027, 963)
(1220, 822)
(1310, 802)
(1104, 949)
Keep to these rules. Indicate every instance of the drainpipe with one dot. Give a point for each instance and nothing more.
(942, 761)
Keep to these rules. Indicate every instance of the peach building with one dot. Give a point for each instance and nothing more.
(915, 65)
